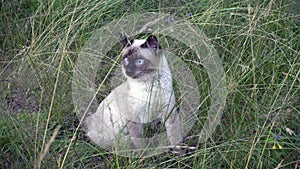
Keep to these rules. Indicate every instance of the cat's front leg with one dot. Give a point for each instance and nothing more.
(173, 128)
(135, 131)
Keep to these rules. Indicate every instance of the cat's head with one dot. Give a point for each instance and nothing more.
(140, 57)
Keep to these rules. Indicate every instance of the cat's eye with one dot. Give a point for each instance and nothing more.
(139, 61)
(126, 61)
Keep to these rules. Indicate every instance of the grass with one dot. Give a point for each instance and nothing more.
(258, 42)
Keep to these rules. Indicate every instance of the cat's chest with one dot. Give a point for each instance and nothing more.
(144, 93)
(146, 102)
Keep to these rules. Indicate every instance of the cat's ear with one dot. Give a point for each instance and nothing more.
(126, 41)
(151, 42)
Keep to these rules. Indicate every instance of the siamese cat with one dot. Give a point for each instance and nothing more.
(145, 96)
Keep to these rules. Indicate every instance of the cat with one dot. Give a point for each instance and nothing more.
(146, 95)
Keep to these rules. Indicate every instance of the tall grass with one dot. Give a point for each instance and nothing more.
(258, 42)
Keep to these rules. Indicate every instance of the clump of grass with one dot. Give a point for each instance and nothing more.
(258, 42)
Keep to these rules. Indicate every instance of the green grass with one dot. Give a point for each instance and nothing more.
(258, 42)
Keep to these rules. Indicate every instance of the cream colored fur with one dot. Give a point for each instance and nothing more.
(135, 102)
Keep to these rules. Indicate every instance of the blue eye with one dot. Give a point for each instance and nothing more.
(126, 61)
(139, 61)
